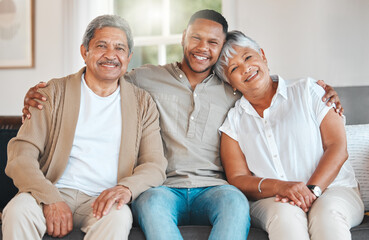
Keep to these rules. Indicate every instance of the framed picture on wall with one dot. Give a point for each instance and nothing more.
(16, 33)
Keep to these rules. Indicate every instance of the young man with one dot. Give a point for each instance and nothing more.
(94, 147)
(193, 103)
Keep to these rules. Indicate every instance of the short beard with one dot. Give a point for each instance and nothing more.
(193, 70)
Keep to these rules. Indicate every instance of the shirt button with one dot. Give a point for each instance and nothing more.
(282, 176)
(195, 95)
(265, 121)
(192, 118)
(269, 136)
(180, 75)
(275, 156)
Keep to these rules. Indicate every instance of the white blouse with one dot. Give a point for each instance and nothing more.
(286, 143)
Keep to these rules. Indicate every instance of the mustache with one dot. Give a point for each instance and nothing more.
(116, 63)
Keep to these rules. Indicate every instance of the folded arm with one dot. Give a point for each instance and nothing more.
(239, 175)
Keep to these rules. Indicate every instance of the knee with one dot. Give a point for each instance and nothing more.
(120, 217)
(148, 198)
(329, 223)
(22, 207)
(327, 216)
(284, 214)
(325, 211)
(229, 197)
(230, 205)
(149, 202)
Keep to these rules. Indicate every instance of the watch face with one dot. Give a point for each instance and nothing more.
(316, 192)
(315, 189)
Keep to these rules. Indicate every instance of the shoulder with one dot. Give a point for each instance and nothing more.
(306, 84)
(143, 98)
(145, 75)
(55, 88)
(225, 90)
(147, 69)
(235, 112)
(56, 84)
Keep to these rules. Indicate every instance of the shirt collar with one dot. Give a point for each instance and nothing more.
(181, 76)
(282, 88)
(281, 91)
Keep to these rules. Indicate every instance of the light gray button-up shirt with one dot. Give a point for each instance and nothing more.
(189, 121)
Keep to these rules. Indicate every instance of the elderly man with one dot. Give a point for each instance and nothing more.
(94, 147)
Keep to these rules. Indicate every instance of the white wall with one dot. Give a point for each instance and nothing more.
(59, 26)
(326, 40)
(48, 61)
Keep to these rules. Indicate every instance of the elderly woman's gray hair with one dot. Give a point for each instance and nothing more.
(108, 21)
(234, 38)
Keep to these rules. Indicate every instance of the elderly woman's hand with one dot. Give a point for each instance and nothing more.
(296, 193)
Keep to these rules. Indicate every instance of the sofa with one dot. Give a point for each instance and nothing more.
(356, 103)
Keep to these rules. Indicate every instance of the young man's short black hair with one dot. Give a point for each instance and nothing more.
(210, 15)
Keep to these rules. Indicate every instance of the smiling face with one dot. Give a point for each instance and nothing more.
(247, 70)
(202, 42)
(107, 57)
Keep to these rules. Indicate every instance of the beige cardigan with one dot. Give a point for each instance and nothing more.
(38, 155)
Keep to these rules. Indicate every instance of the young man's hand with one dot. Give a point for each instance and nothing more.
(332, 97)
(29, 100)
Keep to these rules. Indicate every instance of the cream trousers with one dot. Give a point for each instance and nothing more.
(23, 218)
(330, 217)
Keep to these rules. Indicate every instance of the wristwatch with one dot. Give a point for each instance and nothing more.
(315, 190)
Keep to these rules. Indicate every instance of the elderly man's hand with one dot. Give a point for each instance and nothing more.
(59, 219)
(103, 203)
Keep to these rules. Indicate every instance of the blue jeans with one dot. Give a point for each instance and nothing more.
(159, 210)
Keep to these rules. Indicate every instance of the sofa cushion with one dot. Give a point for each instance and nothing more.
(358, 149)
(7, 189)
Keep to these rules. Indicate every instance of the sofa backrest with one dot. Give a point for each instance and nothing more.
(355, 101)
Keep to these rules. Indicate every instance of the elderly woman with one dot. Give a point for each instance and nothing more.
(286, 150)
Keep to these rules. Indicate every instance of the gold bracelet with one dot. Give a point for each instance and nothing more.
(260, 184)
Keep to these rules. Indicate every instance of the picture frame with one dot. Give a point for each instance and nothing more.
(17, 34)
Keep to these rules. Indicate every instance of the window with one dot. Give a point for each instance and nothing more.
(157, 27)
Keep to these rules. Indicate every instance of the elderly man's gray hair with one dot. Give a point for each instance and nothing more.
(108, 21)
(234, 38)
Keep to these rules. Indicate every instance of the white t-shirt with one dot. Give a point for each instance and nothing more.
(93, 161)
(286, 143)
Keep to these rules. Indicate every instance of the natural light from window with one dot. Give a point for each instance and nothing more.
(157, 26)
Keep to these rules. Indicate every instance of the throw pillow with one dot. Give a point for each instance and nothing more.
(358, 149)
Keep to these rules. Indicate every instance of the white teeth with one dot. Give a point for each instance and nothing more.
(200, 58)
(111, 66)
(251, 76)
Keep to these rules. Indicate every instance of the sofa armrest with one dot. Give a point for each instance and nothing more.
(10, 122)
(9, 126)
